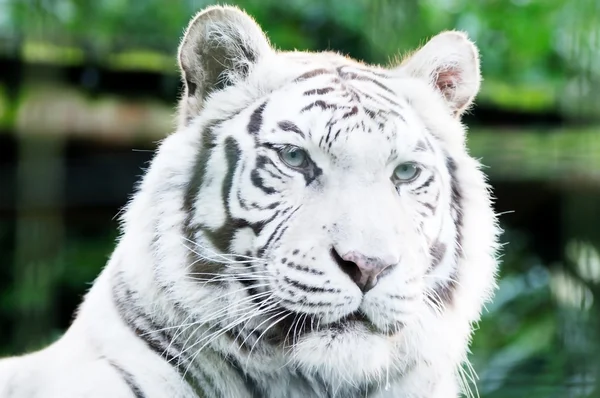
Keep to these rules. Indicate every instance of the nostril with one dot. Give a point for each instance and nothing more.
(349, 267)
(363, 270)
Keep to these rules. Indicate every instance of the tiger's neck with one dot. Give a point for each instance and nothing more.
(172, 335)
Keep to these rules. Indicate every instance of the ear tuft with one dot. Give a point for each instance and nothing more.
(219, 48)
(449, 62)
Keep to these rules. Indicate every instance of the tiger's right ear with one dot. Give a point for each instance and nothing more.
(219, 48)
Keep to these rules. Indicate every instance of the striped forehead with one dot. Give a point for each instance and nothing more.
(339, 107)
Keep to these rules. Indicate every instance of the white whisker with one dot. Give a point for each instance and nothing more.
(286, 314)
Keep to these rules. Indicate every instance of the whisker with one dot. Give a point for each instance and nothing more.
(227, 310)
(229, 326)
(436, 302)
(443, 279)
(233, 275)
(248, 298)
(216, 335)
(260, 324)
(221, 255)
(220, 259)
(267, 307)
(219, 297)
(223, 278)
(286, 314)
(247, 266)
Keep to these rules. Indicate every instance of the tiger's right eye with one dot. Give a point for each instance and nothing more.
(294, 157)
(406, 172)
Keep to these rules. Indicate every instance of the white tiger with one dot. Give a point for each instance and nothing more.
(314, 228)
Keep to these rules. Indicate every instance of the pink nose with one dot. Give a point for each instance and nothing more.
(363, 270)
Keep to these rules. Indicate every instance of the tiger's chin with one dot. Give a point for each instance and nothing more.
(349, 349)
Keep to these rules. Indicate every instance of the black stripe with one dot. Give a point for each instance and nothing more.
(335, 137)
(437, 251)
(425, 184)
(189, 231)
(352, 112)
(429, 206)
(319, 91)
(258, 182)
(258, 226)
(445, 290)
(155, 337)
(129, 380)
(328, 135)
(421, 146)
(321, 104)
(255, 177)
(381, 74)
(307, 288)
(355, 76)
(286, 125)
(313, 304)
(256, 119)
(372, 114)
(201, 162)
(262, 161)
(222, 237)
(302, 268)
(312, 73)
(272, 237)
(208, 140)
(377, 100)
(312, 173)
(251, 385)
(209, 388)
(244, 204)
(272, 174)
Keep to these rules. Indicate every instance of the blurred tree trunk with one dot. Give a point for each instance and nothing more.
(39, 238)
(581, 213)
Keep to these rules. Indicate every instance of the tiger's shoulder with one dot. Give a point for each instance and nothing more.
(60, 371)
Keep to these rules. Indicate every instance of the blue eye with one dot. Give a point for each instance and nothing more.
(294, 156)
(406, 172)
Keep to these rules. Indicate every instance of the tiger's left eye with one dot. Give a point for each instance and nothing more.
(294, 156)
(406, 172)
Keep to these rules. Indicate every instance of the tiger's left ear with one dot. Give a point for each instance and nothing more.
(449, 63)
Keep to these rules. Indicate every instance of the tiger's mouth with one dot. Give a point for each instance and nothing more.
(355, 318)
(358, 320)
(302, 325)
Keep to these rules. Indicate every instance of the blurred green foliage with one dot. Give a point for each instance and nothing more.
(534, 51)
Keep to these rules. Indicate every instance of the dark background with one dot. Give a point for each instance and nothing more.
(87, 88)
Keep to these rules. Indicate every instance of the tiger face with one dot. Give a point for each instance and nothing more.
(343, 194)
(336, 192)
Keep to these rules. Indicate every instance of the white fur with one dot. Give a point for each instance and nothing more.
(420, 360)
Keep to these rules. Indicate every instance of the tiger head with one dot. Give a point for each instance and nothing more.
(334, 199)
